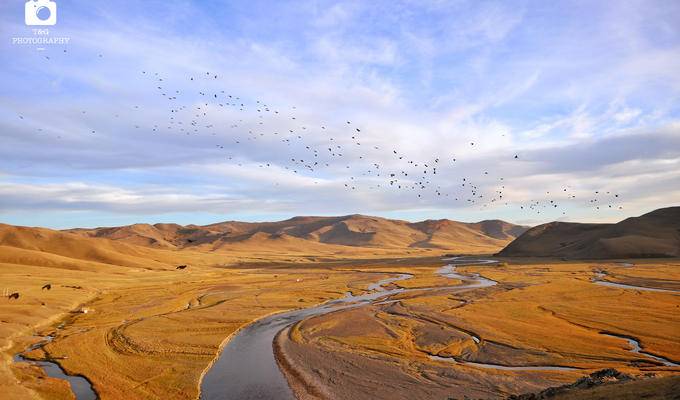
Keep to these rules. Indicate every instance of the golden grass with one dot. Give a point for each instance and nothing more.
(539, 314)
(154, 336)
(154, 330)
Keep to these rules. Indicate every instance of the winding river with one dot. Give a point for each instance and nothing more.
(247, 369)
(599, 280)
(624, 286)
(81, 387)
(637, 349)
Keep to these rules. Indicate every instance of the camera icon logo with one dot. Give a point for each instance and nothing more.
(40, 12)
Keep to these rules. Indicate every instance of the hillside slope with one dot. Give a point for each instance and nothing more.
(655, 234)
(20, 245)
(350, 230)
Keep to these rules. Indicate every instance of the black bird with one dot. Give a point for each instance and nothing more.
(47, 286)
(181, 267)
(14, 295)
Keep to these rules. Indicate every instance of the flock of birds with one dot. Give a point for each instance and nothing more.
(255, 133)
(321, 150)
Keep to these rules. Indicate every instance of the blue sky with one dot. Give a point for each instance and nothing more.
(585, 93)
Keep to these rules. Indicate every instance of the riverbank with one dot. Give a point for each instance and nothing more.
(538, 327)
(142, 341)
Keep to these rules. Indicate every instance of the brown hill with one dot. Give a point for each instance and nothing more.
(311, 232)
(41, 246)
(655, 234)
(20, 245)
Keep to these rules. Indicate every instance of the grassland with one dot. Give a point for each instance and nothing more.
(540, 314)
(152, 330)
(150, 334)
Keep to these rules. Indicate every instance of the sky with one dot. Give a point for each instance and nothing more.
(566, 110)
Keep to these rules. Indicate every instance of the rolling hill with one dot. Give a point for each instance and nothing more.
(318, 232)
(655, 234)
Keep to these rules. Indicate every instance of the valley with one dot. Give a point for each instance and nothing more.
(123, 315)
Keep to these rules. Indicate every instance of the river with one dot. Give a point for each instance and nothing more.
(81, 387)
(247, 369)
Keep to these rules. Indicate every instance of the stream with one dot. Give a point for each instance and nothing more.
(81, 387)
(599, 280)
(247, 369)
(635, 344)
(624, 286)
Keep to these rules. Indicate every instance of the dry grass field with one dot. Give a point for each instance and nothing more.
(146, 335)
(540, 314)
(152, 330)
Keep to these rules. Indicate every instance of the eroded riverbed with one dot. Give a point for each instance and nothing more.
(247, 369)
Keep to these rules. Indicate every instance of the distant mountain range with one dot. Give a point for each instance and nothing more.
(299, 239)
(655, 234)
(310, 232)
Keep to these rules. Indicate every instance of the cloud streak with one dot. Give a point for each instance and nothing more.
(593, 109)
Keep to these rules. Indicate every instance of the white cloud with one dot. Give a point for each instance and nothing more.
(466, 73)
